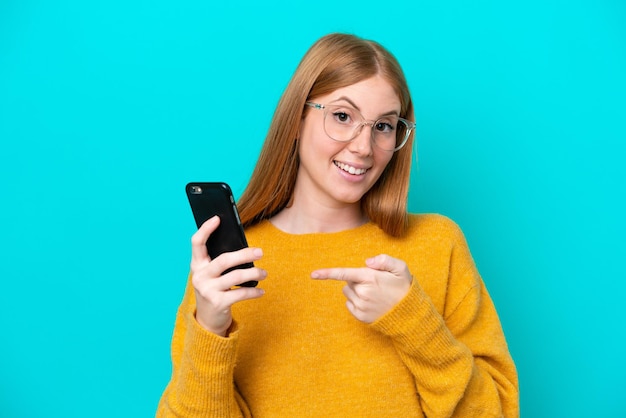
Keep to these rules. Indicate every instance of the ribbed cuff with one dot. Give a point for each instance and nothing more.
(207, 366)
(417, 328)
(205, 348)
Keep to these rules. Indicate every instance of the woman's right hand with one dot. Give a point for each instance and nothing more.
(215, 294)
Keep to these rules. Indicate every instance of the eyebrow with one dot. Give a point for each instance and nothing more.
(347, 99)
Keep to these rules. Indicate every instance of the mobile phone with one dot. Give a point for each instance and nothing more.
(210, 199)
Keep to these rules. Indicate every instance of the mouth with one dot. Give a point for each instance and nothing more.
(350, 169)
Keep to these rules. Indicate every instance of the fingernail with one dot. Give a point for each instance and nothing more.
(257, 252)
(315, 275)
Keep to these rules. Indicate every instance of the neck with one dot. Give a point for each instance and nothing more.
(305, 217)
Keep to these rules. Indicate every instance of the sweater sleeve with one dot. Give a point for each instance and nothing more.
(202, 382)
(459, 358)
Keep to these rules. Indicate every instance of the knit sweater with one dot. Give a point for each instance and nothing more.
(298, 352)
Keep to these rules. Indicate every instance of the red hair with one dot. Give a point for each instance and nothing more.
(334, 61)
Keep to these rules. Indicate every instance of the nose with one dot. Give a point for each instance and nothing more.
(362, 142)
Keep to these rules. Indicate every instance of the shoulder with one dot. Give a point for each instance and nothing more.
(434, 225)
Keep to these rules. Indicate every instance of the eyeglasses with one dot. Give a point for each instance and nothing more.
(343, 123)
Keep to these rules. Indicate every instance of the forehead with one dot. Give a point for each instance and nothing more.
(374, 95)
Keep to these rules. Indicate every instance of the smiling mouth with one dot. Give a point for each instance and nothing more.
(349, 169)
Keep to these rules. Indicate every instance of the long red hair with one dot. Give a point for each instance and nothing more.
(334, 61)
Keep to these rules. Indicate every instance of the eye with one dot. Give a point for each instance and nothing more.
(342, 117)
(384, 127)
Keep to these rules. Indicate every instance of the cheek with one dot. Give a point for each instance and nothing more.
(314, 141)
(306, 138)
(382, 159)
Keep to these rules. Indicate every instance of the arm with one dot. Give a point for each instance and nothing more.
(205, 336)
(202, 376)
(455, 348)
(461, 364)
(459, 358)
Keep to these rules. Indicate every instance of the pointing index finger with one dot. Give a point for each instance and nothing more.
(352, 275)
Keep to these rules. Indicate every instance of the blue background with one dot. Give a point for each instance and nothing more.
(107, 109)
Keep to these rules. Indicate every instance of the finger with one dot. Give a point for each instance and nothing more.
(349, 293)
(227, 282)
(228, 260)
(384, 262)
(355, 307)
(351, 308)
(359, 293)
(242, 293)
(351, 275)
(199, 239)
(239, 276)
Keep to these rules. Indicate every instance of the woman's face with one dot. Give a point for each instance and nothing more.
(335, 173)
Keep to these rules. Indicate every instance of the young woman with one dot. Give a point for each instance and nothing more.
(362, 309)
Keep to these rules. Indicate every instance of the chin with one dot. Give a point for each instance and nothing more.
(349, 198)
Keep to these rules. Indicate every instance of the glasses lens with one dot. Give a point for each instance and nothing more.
(389, 132)
(341, 122)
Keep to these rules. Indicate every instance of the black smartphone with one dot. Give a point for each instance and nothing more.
(210, 199)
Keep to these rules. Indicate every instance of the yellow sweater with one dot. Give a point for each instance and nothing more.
(298, 352)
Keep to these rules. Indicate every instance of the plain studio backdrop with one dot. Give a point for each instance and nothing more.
(108, 108)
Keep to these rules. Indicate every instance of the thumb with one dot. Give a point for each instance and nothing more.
(396, 267)
(383, 262)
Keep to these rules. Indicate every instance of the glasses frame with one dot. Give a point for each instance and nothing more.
(410, 127)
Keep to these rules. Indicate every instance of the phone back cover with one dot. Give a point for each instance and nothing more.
(217, 199)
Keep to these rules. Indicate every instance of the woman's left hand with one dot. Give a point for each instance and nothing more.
(371, 291)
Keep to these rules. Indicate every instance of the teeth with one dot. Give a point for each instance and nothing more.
(350, 169)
